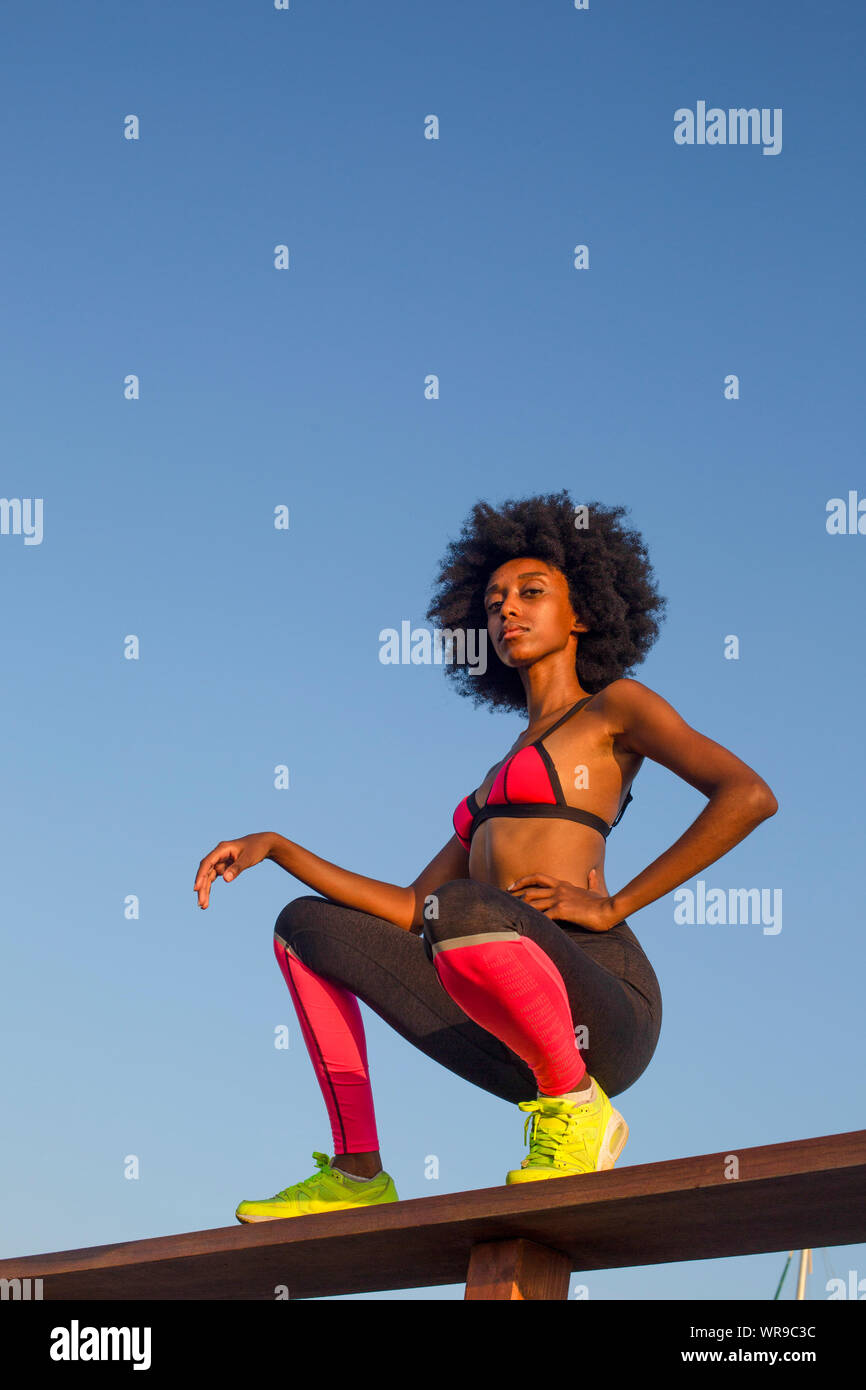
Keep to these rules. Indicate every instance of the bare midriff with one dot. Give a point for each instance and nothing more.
(506, 849)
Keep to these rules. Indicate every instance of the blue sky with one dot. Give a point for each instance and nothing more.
(304, 387)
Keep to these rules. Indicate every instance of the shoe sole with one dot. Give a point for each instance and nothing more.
(614, 1142)
(612, 1145)
(249, 1219)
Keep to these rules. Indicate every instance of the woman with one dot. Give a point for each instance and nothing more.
(506, 959)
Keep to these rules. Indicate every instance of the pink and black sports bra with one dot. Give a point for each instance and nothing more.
(528, 785)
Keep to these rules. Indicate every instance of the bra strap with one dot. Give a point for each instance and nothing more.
(567, 715)
(622, 810)
(531, 810)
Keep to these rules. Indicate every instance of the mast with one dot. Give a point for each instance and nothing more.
(805, 1257)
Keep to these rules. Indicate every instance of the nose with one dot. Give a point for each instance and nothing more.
(509, 612)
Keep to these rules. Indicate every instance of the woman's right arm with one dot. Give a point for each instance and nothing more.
(402, 906)
(385, 900)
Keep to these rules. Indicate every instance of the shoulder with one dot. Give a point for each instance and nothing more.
(625, 701)
(625, 694)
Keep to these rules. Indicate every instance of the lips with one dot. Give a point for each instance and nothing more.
(512, 632)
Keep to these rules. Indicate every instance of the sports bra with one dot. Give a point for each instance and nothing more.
(528, 785)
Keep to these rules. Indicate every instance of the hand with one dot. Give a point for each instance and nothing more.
(229, 859)
(556, 898)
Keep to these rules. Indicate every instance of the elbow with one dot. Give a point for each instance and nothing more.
(752, 796)
(764, 801)
(412, 918)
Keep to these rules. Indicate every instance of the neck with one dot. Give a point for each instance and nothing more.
(551, 686)
(543, 711)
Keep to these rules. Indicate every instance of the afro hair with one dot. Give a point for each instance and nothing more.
(610, 585)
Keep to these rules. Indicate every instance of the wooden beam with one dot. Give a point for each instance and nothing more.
(517, 1269)
(803, 1193)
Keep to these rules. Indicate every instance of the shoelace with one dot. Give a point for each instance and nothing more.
(570, 1130)
(322, 1162)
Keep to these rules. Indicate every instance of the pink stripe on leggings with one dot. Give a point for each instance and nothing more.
(333, 1030)
(513, 989)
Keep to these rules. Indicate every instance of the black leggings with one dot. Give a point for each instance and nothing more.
(611, 986)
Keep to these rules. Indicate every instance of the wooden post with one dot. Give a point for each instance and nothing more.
(517, 1269)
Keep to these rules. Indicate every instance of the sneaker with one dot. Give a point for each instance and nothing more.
(568, 1139)
(327, 1190)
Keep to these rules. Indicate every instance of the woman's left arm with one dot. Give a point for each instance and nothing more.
(644, 723)
(739, 799)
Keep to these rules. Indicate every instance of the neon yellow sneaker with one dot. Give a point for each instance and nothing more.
(326, 1190)
(568, 1139)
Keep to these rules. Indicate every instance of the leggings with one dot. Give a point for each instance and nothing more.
(510, 999)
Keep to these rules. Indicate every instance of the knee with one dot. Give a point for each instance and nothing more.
(452, 899)
(458, 895)
(293, 915)
(453, 910)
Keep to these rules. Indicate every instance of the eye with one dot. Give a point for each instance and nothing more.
(532, 590)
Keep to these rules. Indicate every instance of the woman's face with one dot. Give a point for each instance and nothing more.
(529, 613)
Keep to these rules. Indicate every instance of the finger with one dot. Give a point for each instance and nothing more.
(228, 868)
(221, 852)
(546, 908)
(209, 858)
(203, 868)
(540, 898)
(210, 876)
(204, 888)
(205, 884)
(212, 866)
